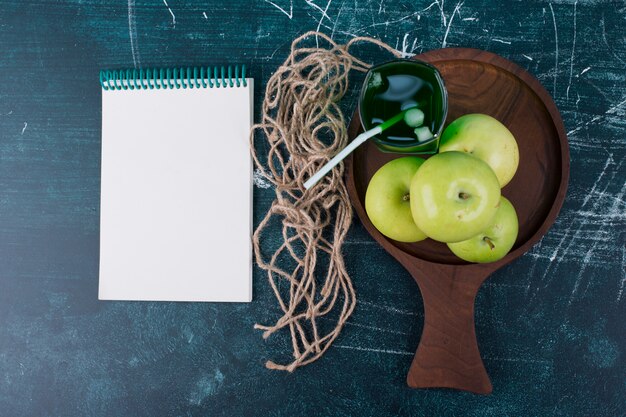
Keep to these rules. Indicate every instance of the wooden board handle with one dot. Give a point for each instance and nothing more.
(448, 356)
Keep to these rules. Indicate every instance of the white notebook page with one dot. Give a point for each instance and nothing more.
(176, 195)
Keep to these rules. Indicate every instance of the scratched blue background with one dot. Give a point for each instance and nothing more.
(550, 326)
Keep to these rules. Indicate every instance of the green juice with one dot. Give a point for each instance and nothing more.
(390, 88)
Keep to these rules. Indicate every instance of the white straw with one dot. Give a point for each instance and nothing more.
(341, 155)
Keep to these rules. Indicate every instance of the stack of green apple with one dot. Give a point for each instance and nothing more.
(454, 196)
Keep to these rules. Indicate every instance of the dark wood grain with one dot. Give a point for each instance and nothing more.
(477, 82)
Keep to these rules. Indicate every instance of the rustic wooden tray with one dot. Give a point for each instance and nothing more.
(477, 82)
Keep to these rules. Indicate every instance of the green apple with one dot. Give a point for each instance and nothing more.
(485, 138)
(493, 243)
(454, 196)
(387, 200)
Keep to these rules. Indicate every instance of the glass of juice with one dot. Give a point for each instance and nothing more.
(394, 86)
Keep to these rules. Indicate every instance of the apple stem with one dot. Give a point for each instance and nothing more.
(489, 242)
(406, 197)
(464, 196)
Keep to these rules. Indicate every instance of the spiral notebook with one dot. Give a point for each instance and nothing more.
(176, 194)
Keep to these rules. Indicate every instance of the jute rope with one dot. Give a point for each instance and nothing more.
(304, 127)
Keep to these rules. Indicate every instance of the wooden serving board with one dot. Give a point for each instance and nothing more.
(477, 82)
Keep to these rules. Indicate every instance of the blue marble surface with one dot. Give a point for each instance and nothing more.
(550, 326)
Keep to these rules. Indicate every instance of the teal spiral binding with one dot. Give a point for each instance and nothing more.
(174, 78)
